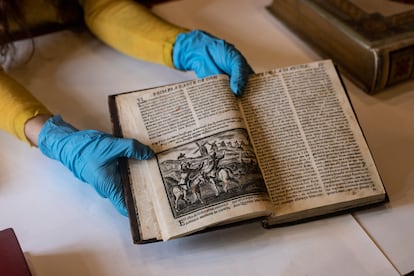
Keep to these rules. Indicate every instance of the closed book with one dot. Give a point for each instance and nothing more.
(372, 42)
(12, 260)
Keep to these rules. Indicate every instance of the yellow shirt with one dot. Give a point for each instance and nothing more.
(122, 24)
(37, 13)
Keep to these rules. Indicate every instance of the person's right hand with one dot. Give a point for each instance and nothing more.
(91, 156)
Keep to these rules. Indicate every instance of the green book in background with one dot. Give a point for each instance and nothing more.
(372, 42)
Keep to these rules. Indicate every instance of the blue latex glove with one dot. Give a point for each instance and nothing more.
(207, 55)
(91, 156)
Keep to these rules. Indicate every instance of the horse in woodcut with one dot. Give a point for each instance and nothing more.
(213, 172)
(195, 188)
(225, 175)
(188, 183)
(181, 192)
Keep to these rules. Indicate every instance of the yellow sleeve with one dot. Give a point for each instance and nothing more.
(131, 29)
(17, 106)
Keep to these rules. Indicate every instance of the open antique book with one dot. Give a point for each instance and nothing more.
(289, 150)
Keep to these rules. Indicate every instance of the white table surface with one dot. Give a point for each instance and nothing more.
(65, 228)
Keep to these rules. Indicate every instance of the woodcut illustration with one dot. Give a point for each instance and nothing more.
(208, 171)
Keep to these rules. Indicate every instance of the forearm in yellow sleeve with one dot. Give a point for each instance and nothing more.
(132, 29)
(17, 106)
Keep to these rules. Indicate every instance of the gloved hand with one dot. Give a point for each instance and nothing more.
(91, 156)
(207, 55)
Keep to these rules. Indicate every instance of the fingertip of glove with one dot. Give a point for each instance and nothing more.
(239, 78)
(122, 210)
(237, 86)
(236, 90)
(137, 150)
(117, 200)
(148, 154)
(144, 152)
(120, 207)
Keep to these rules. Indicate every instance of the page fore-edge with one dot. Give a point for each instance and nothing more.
(124, 172)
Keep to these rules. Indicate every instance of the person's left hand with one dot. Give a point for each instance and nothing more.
(91, 155)
(207, 55)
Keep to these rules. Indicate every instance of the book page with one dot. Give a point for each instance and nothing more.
(205, 171)
(144, 207)
(309, 145)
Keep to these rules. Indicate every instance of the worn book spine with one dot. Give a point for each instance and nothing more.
(373, 63)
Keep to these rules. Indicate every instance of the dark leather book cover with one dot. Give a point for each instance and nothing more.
(12, 260)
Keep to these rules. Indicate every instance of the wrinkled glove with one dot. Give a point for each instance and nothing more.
(207, 55)
(91, 156)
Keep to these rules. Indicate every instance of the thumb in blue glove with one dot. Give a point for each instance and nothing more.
(91, 156)
(207, 55)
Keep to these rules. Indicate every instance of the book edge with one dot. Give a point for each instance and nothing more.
(124, 172)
